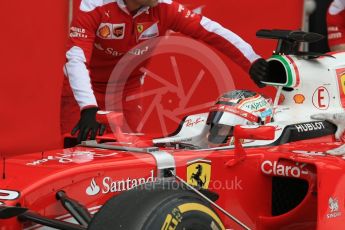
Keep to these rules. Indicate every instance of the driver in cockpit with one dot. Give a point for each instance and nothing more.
(237, 107)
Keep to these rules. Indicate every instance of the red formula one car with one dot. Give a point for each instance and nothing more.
(290, 175)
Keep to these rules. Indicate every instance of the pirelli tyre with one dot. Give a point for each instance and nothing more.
(168, 206)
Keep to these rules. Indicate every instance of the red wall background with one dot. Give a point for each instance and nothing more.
(33, 38)
(33, 45)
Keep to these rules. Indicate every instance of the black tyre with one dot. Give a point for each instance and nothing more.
(168, 206)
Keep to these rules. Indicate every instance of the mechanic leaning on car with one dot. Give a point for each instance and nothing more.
(103, 31)
(336, 25)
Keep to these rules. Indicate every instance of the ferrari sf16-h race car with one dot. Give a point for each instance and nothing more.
(286, 174)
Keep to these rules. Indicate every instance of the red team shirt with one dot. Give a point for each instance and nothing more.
(104, 30)
(336, 23)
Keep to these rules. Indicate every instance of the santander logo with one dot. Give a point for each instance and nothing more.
(93, 189)
(111, 185)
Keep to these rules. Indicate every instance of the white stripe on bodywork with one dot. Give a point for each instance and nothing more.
(79, 78)
(67, 218)
(165, 1)
(90, 5)
(233, 38)
(336, 7)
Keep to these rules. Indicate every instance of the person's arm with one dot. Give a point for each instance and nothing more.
(81, 41)
(82, 36)
(180, 19)
(336, 25)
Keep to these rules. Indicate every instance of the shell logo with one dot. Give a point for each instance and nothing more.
(104, 32)
(299, 98)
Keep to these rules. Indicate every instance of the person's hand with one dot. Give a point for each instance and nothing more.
(337, 118)
(259, 71)
(87, 125)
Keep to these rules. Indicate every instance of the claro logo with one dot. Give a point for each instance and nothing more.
(277, 169)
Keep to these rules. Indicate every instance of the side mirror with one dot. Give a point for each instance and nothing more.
(251, 132)
(254, 132)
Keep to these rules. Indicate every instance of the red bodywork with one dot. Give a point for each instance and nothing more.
(245, 184)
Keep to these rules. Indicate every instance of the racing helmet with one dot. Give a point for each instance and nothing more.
(237, 107)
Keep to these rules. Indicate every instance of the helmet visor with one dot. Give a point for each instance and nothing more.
(222, 126)
(220, 134)
(225, 118)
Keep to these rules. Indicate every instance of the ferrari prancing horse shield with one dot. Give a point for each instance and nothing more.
(199, 174)
(140, 28)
